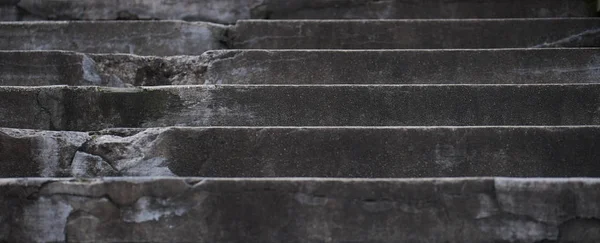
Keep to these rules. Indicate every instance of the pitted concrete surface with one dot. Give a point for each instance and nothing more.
(473, 66)
(168, 38)
(229, 11)
(299, 210)
(365, 152)
(96, 108)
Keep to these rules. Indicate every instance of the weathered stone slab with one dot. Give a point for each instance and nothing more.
(229, 11)
(503, 66)
(34, 68)
(219, 11)
(300, 210)
(94, 108)
(403, 66)
(365, 152)
(28, 153)
(164, 38)
(160, 38)
(415, 34)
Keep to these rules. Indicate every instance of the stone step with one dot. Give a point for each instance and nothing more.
(415, 34)
(300, 210)
(364, 152)
(231, 10)
(473, 66)
(94, 108)
(164, 38)
(161, 38)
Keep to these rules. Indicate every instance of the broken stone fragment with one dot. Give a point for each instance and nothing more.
(96, 108)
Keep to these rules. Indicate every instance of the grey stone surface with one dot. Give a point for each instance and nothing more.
(229, 11)
(300, 210)
(8, 13)
(165, 38)
(34, 68)
(27, 153)
(365, 152)
(403, 66)
(415, 34)
(218, 11)
(8, 2)
(160, 38)
(94, 108)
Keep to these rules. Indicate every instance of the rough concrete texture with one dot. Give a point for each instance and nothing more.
(300, 210)
(402, 66)
(27, 153)
(161, 38)
(34, 68)
(366, 152)
(229, 11)
(9, 13)
(95, 108)
(165, 38)
(415, 34)
(490, 66)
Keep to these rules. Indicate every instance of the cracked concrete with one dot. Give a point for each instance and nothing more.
(334, 210)
(488, 66)
(95, 108)
(170, 38)
(410, 33)
(324, 152)
(590, 36)
(229, 11)
(161, 38)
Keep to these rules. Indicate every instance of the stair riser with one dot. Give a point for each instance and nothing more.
(134, 37)
(91, 108)
(304, 152)
(232, 10)
(181, 38)
(304, 67)
(200, 210)
(414, 34)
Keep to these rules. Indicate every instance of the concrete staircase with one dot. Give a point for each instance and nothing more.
(299, 121)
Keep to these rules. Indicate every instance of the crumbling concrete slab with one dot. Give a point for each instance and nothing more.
(161, 38)
(361, 152)
(299, 210)
(487, 66)
(95, 108)
(229, 11)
